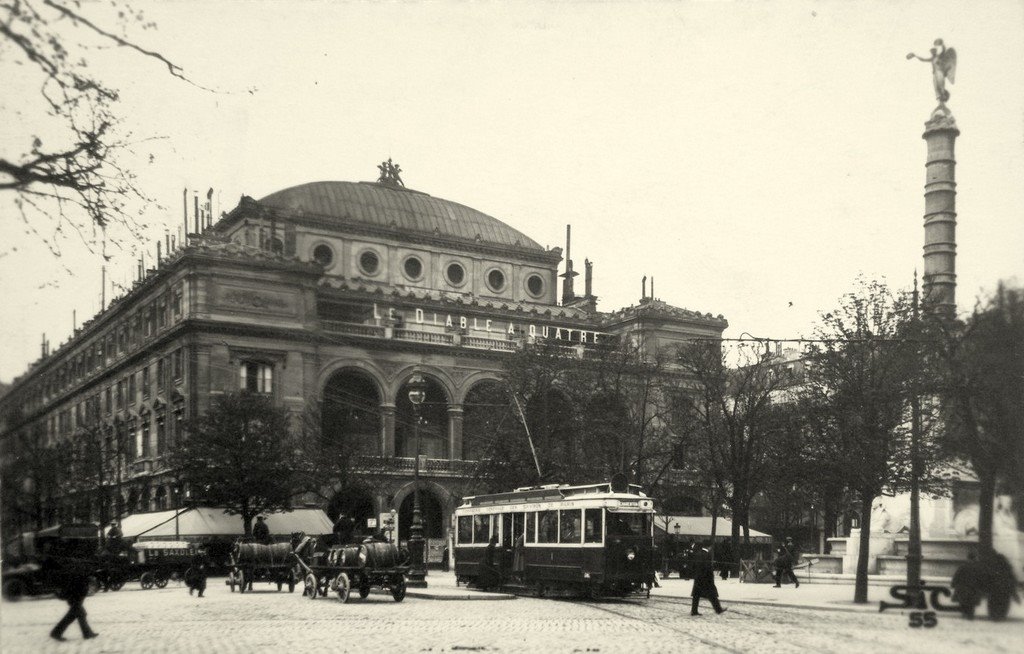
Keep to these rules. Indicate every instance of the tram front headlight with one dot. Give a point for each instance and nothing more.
(631, 554)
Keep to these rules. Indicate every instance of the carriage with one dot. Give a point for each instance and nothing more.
(343, 568)
(25, 558)
(153, 563)
(594, 540)
(273, 563)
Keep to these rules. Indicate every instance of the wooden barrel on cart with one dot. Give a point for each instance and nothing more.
(380, 555)
(345, 557)
(263, 555)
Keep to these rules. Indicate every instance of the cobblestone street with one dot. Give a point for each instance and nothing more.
(169, 620)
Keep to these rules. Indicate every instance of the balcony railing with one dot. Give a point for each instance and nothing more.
(416, 336)
(407, 464)
(353, 329)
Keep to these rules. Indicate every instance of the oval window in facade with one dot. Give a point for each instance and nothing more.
(369, 262)
(413, 268)
(323, 255)
(496, 280)
(456, 274)
(535, 285)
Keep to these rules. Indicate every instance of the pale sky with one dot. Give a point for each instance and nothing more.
(747, 155)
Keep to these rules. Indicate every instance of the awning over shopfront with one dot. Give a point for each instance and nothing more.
(203, 522)
(699, 528)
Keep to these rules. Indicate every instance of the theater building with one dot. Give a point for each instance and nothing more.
(338, 291)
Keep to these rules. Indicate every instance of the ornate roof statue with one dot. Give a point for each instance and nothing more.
(943, 61)
(390, 173)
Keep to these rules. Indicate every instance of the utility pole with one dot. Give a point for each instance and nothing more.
(914, 545)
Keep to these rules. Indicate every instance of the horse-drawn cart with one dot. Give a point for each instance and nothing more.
(360, 567)
(251, 562)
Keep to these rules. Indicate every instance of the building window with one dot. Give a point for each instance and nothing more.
(535, 285)
(176, 302)
(496, 280)
(131, 389)
(456, 274)
(176, 365)
(323, 255)
(161, 382)
(144, 438)
(413, 268)
(161, 312)
(120, 395)
(108, 400)
(161, 435)
(145, 382)
(369, 262)
(256, 377)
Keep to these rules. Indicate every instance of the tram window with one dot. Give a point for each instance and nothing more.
(547, 527)
(465, 529)
(481, 528)
(506, 529)
(531, 527)
(592, 525)
(569, 526)
(629, 524)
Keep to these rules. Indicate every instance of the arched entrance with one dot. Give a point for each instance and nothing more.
(486, 412)
(433, 423)
(350, 412)
(431, 512)
(357, 504)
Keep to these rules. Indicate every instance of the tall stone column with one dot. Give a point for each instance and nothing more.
(940, 214)
(455, 433)
(387, 428)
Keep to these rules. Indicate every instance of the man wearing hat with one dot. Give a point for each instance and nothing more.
(261, 532)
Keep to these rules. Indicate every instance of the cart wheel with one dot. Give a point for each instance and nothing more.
(146, 580)
(364, 590)
(161, 582)
(344, 587)
(312, 586)
(398, 590)
(116, 584)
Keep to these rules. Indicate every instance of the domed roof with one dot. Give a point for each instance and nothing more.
(398, 208)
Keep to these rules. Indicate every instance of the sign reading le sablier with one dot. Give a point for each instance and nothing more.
(449, 321)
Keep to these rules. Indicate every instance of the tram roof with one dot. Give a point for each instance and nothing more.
(553, 492)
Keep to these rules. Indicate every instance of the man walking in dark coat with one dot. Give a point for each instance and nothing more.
(73, 586)
(704, 580)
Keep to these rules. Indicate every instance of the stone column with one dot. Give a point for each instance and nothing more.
(387, 423)
(940, 214)
(455, 433)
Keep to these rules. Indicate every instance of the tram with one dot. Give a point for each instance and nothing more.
(594, 540)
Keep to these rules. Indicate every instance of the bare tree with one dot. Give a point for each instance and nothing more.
(859, 374)
(73, 177)
(31, 482)
(732, 423)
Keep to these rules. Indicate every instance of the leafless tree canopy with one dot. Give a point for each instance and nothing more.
(67, 171)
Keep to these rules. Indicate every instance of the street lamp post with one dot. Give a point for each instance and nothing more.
(418, 568)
